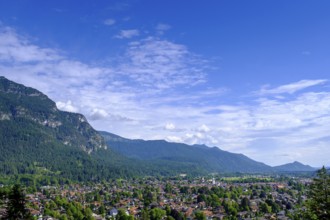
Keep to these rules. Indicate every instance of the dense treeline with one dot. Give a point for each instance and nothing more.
(317, 207)
(27, 150)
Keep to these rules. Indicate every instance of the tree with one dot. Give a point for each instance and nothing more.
(145, 214)
(148, 196)
(121, 215)
(176, 214)
(264, 208)
(102, 209)
(157, 214)
(88, 214)
(245, 203)
(168, 188)
(200, 215)
(3, 195)
(319, 195)
(16, 204)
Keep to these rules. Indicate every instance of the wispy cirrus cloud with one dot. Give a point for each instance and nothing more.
(119, 6)
(14, 48)
(260, 129)
(131, 78)
(161, 28)
(162, 64)
(109, 21)
(292, 87)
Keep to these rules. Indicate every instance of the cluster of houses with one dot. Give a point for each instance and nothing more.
(128, 197)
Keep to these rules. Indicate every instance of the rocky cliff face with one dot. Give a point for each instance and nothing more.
(19, 103)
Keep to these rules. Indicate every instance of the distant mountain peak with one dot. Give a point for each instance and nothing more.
(295, 166)
(10, 87)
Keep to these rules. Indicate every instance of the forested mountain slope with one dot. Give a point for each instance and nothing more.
(210, 159)
(35, 135)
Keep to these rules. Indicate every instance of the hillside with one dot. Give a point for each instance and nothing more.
(37, 137)
(294, 167)
(162, 152)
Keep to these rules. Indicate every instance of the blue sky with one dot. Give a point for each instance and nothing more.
(250, 77)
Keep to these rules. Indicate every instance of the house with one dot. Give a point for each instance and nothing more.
(113, 212)
(98, 217)
(48, 218)
(2, 212)
(281, 215)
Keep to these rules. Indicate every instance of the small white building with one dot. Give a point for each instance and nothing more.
(113, 212)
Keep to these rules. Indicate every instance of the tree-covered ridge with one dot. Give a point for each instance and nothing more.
(207, 159)
(163, 152)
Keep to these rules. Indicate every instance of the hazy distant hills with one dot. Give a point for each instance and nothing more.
(294, 167)
(37, 138)
(210, 159)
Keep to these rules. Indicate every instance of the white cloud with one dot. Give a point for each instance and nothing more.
(14, 48)
(260, 129)
(203, 128)
(126, 34)
(157, 88)
(98, 114)
(162, 64)
(170, 126)
(67, 106)
(292, 88)
(161, 28)
(174, 139)
(109, 21)
(119, 6)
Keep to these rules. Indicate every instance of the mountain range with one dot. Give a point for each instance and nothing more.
(210, 159)
(37, 137)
